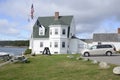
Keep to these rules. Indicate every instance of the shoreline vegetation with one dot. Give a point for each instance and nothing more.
(16, 43)
(14, 46)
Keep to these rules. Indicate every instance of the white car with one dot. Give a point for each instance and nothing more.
(106, 49)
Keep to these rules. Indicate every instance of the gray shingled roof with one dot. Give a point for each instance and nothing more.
(87, 40)
(106, 37)
(47, 21)
(58, 22)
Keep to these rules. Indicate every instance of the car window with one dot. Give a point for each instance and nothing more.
(94, 47)
(108, 46)
(99, 46)
(104, 46)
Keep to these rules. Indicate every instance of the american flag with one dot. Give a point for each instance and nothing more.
(32, 11)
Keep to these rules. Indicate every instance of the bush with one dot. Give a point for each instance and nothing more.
(118, 51)
(27, 51)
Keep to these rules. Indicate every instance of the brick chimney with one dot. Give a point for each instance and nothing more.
(118, 30)
(56, 15)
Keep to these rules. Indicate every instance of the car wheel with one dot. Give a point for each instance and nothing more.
(86, 54)
(109, 53)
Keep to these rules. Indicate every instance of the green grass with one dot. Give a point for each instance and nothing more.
(1, 61)
(55, 67)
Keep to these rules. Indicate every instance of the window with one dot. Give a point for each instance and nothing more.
(56, 31)
(56, 44)
(41, 31)
(41, 44)
(63, 44)
(68, 46)
(63, 32)
(99, 46)
(41, 51)
(55, 52)
(50, 31)
(104, 46)
(94, 47)
(108, 46)
(50, 44)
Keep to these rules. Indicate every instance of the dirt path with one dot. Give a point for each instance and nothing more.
(114, 59)
(2, 64)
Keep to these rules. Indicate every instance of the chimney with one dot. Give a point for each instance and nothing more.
(56, 15)
(118, 30)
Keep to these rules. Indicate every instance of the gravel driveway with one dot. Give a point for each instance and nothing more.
(114, 59)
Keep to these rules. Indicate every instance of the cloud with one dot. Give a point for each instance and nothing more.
(91, 16)
(8, 28)
(14, 8)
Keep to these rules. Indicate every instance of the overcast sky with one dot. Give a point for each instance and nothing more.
(91, 16)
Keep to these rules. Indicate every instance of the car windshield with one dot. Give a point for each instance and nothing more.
(93, 47)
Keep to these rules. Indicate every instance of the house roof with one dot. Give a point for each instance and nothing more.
(58, 22)
(87, 40)
(74, 37)
(47, 21)
(106, 37)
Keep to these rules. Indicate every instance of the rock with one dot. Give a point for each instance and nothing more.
(103, 65)
(116, 70)
(70, 56)
(79, 58)
(85, 59)
(94, 61)
(33, 54)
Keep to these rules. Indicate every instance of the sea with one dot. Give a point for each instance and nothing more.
(13, 50)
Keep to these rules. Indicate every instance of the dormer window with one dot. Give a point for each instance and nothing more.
(41, 30)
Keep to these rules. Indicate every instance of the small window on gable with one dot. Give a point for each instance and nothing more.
(56, 31)
(41, 30)
(63, 31)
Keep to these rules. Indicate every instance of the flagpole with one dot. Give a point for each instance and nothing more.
(32, 20)
(32, 41)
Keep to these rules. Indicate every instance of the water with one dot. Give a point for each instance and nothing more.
(13, 50)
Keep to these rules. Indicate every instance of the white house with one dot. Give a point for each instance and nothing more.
(107, 38)
(57, 33)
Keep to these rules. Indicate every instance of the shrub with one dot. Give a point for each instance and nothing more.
(118, 51)
(27, 51)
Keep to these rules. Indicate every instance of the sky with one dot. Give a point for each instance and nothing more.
(91, 16)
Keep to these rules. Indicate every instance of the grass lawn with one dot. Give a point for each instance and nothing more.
(55, 67)
(1, 61)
